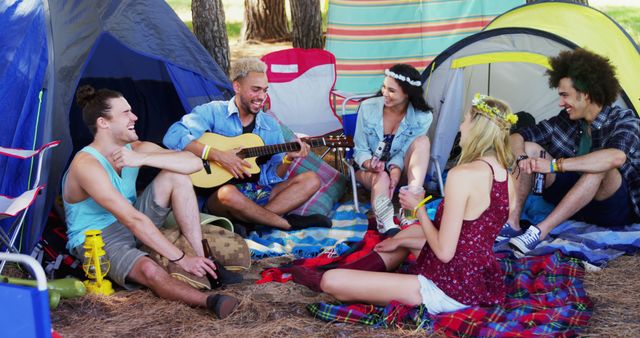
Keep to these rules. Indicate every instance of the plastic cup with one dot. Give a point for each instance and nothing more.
(415, 190)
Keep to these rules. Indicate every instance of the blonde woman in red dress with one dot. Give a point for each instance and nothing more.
(456, 266)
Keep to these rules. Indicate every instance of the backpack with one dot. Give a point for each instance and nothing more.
(51, 251)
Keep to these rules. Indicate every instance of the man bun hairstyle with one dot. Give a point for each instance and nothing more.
(94, 104)
(591, 74)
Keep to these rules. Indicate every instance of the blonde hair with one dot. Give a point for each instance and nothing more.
(242, 67)
(485, 136)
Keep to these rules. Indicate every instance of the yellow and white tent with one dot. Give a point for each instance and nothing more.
(508, 60)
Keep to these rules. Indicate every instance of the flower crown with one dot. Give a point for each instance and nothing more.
(504, 120)
(403, 78)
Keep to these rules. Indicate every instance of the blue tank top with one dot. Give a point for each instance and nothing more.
(88, 214)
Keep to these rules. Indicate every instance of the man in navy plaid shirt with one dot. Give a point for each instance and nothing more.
(592, 169)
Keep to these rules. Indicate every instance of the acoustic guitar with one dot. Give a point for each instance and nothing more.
(214, 175)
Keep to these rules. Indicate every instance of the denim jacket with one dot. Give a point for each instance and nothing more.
(223, 118)
(369, 131)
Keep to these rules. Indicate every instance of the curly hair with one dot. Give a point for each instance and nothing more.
(591, 74)
(242, 67)
(95, 104)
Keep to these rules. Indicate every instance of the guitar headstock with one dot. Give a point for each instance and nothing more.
(338, 141)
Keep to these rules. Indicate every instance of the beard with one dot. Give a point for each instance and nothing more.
(251, 106)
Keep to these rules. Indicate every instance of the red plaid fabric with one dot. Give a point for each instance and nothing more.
(545, 297)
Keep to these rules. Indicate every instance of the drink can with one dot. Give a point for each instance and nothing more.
(539, 179)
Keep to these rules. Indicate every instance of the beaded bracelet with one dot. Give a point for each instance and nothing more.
(560, 163)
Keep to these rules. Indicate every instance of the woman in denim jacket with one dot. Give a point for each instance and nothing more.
(400, 117)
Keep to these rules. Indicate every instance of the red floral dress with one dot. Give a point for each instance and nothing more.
(473, 276)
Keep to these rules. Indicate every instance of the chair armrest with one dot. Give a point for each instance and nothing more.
(25, 154)
(35, 267)
(349, 96)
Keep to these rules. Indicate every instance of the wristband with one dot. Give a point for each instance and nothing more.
(176, 260)
(553, 166)
(286, 160)
(559, 163)
(205, 152)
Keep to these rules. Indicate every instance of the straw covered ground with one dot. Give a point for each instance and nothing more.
(278, 310)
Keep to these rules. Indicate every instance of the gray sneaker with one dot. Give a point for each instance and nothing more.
(527, 241)
(384, 214)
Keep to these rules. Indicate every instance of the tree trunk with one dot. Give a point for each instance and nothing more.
(210, 29)
(265, 20)
(306, 24)
(584, 2)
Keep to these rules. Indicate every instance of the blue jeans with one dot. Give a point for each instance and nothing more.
(616, 210)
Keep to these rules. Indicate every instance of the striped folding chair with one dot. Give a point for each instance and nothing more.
(18, 206)
(369, 36)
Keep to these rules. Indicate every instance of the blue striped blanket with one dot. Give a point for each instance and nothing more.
(348, 226)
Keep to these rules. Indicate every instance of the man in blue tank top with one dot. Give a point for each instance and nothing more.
(99, 193)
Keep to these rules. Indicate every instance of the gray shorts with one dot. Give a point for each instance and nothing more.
(120, 244)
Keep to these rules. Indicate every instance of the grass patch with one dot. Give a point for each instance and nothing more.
(180, 5)
(233, 30)
(628, 18)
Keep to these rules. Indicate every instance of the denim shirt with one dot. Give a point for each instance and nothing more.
(223, 118)
(369, 131)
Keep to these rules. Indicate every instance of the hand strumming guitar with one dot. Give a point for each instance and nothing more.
(230, 161)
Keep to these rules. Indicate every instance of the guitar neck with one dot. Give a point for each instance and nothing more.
(279, 148)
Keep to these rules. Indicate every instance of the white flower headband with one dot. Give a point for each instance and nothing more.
(406, 79)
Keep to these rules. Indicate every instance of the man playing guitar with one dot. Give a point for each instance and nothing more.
(267, 201)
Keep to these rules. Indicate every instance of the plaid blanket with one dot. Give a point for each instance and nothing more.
(545, 297)
(591, 243)
(348, 226)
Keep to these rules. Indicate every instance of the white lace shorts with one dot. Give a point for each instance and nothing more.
(435, 299)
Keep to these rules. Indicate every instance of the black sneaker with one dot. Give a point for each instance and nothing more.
(299, 222)
(222, 305)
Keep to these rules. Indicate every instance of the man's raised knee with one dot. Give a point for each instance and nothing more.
(151, 272)
(532, 149)
(176, 180)
(228, 195)
(310, 179)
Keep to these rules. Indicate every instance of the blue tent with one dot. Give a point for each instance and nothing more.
(49, 48)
